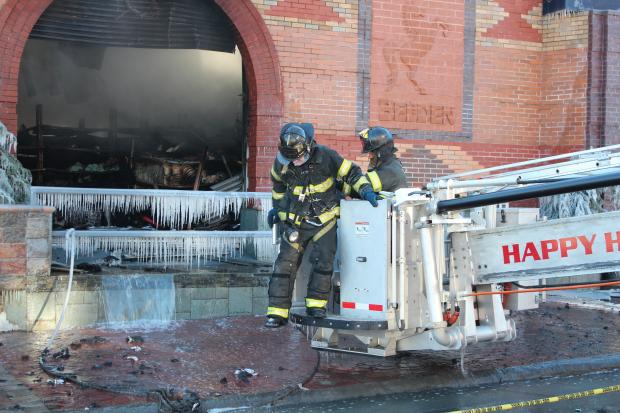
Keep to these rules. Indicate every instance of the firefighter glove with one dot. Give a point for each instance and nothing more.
(272, 217)
(371, 197)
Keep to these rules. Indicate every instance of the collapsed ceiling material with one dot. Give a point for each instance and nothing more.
(163, 24)
(138, 157)
(157, 157)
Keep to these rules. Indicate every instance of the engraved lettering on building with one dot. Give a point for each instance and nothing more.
(411, 112)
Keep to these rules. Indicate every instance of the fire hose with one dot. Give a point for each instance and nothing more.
(70, 244)
(165, 397)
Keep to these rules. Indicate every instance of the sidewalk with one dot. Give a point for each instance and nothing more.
(607, 300)
(556, 339)
(14, 395)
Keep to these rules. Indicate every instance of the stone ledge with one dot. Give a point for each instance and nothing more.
(12, 250)
(12, 282)
(14, 266)
(38, 266)
(39, 227)
(26, 208)
(219, 281)
(39, 248)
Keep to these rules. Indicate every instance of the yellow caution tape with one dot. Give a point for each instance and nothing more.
(538, 402)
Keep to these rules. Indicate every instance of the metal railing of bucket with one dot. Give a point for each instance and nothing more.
(171, 208)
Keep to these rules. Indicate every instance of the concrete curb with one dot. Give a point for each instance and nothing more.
(295, 396)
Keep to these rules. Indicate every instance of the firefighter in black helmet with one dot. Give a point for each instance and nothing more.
(385, 172)
(306, 179)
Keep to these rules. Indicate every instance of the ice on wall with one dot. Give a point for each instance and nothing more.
(172, 247)
(171, 208)
(592, 201)
(15, 180)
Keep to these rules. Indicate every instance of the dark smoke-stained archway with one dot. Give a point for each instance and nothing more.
(261, 69)
(161, 24)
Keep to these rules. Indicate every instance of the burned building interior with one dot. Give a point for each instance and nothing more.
(133, 94)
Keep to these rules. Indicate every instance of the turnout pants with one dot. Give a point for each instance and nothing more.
(285, 269)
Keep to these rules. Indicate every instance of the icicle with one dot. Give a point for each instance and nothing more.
(577, 203)
(171, 208)
(15, 180)
(8, 141)
(166, 247)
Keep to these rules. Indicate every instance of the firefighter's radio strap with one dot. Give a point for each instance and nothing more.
(305, 191)
(303, 215)
(320, 233)
(324, 230)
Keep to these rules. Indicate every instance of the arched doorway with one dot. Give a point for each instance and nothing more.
(260, 67)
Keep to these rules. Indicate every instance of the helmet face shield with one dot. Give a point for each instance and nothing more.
(292, 145)
(363, 135)
(293, 142)
(281, 159)
(297, 162)
(291, 153)
(366, 147)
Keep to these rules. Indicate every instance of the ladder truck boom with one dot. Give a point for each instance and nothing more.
(428, 268)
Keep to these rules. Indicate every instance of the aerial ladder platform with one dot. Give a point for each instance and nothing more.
(426, 270)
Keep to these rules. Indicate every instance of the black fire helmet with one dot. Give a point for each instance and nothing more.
(375, 138)
(294, 141)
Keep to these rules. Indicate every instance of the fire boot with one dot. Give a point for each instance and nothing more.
(316, 312)
(274, 321)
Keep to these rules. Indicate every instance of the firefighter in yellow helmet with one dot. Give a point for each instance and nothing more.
(385, 172)
(306, 179)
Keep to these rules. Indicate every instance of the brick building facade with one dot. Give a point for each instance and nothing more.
(464, 83)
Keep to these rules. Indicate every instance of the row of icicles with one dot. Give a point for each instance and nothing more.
(191, 248)
(171, 208)
(174, 209)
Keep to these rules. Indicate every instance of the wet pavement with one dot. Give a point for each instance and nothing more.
(200, 356)
(197, 356)
(445, 400)
(603, 299)
(555, 331)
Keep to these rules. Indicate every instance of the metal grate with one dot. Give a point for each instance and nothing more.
(163, 24)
